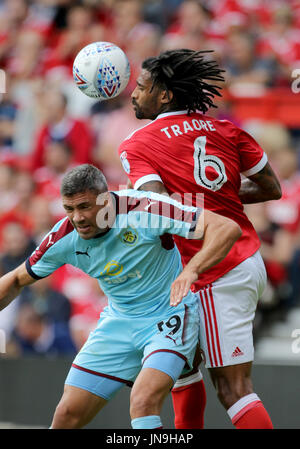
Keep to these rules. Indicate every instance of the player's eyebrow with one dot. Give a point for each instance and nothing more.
(68, 206)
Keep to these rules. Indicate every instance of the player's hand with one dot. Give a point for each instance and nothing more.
(181, 286)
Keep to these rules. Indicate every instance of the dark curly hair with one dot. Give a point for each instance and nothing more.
(188, 75)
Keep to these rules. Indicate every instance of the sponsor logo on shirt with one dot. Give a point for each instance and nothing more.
(125, 162)
(113, 269)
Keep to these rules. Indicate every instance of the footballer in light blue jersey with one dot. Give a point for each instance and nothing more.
(135, 260)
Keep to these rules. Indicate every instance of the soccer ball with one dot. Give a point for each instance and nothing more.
(101, 70)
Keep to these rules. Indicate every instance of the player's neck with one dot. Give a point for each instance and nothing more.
(168, 108)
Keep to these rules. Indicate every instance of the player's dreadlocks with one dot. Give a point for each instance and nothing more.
(187, 74)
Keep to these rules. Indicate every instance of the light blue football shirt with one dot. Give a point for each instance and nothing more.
(135, 261)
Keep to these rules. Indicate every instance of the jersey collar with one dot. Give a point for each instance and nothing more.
(168, 114)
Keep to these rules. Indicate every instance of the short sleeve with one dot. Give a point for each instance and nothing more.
(252, 157)
(50, 254)
(136, 164)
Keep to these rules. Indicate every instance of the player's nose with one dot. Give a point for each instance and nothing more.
(78, 218)
(134, 94)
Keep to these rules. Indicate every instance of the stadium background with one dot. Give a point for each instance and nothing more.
(47, 126)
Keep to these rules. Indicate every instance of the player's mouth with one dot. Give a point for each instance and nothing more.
(83, 229)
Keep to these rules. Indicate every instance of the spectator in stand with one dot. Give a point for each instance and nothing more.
(189, 29)
(26, 60)
(15, 243)
(51, 303)
(286, 214)
(272, 136)
(12, 17)
(8, 112)
(244, 70)
(41, 216)
(59, 125)
(34, 334)
(56, 161)
(7, 177)
(126, 14)
(81, 29)
(281, 41)
(19, 210)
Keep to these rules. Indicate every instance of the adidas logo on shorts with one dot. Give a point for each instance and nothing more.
(237, 352)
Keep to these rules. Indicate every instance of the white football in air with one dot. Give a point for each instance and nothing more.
(101, 70)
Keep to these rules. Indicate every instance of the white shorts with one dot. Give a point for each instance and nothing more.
(227, 308)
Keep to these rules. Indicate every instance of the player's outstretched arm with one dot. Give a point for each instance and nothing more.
(12, 283)
(263, 186)
(219, 235)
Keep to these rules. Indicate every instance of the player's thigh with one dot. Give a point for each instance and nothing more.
(227, 309)
(108, 360)
(77, 407)
(149, 391)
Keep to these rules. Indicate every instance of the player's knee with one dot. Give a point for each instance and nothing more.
(142, 403)
(66, 416)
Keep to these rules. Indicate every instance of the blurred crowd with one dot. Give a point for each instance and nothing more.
(47, 126)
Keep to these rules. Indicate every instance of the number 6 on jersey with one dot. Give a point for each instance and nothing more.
(202, 161)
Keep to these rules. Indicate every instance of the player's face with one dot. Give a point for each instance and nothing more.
(82, 211)
(146, 103)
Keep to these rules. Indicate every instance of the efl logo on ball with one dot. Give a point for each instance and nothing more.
(101, 70)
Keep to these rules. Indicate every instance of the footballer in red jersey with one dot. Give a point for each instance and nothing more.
(184, 151)
(214, 153)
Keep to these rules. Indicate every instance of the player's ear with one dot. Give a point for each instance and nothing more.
(166, 96)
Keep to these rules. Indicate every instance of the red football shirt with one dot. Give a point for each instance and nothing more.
(198, 154)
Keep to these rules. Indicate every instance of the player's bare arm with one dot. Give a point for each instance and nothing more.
(219, 235)
(12, 283)
(263, 186)
(154, 186)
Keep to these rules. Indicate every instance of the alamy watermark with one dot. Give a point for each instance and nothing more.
(152, 211)
(296, 343)
(2, 341)
(296, 83)
(2, 82)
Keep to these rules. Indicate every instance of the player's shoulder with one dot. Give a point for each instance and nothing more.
(64, 226)
(60, 233)
(219, 123)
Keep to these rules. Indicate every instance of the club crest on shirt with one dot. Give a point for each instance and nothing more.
(125, 162)
(129, 237)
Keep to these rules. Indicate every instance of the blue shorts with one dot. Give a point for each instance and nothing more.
(120, 347)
